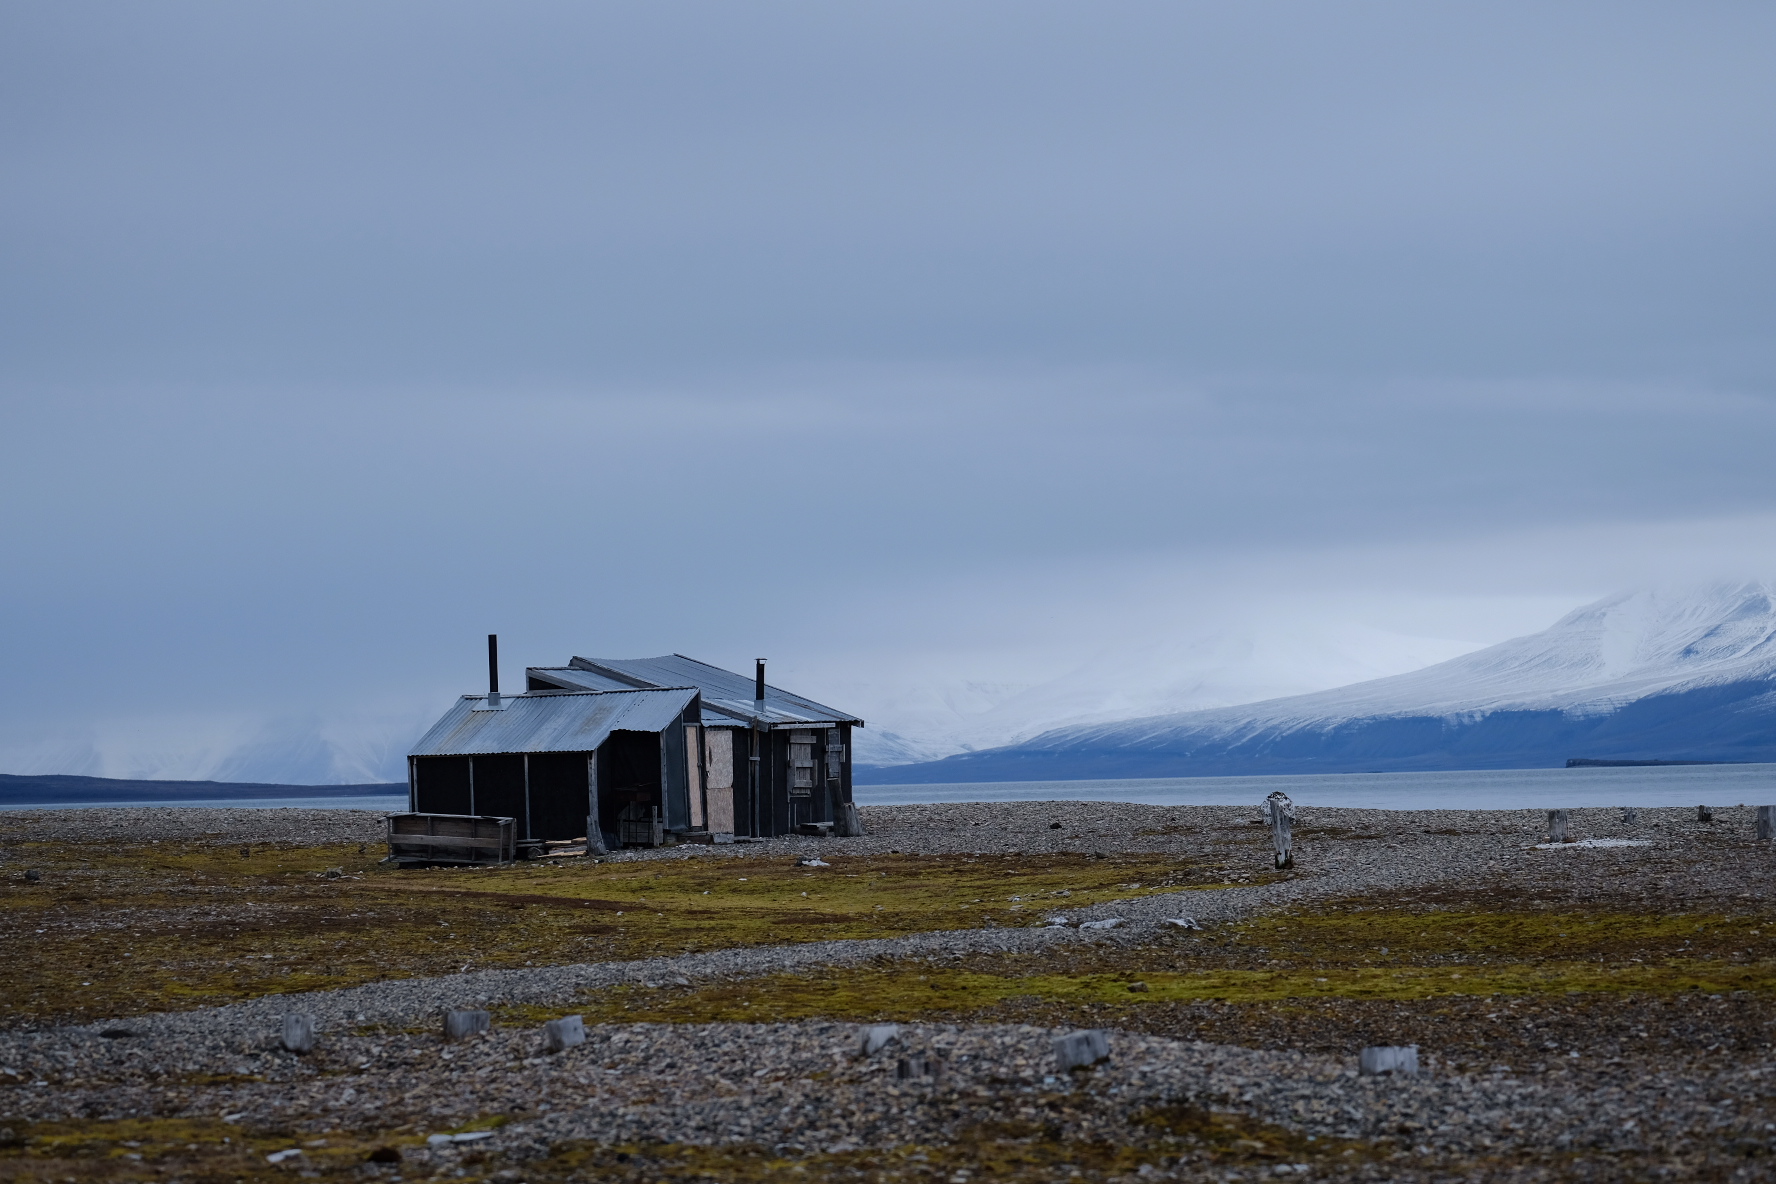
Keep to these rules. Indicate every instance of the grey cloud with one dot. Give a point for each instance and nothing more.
(334, 334)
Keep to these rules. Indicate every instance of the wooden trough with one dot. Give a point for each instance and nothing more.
(451, 838)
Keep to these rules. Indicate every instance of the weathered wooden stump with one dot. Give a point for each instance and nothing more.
(1766, 822)
(1279, 812)
(1396, 1059)
(459, 1024)
(875, 1037)
(299, 1033)
(1557, 827)
(1077, 1050)
(1704, 814)
(1630, 815)
(562, 1034)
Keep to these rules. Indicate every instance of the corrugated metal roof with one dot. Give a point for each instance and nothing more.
(722, 689)
(565, 721)
(574, 679)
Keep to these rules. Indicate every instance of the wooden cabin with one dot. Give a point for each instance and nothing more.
(774, 762)
(638, 752)
(562, 764)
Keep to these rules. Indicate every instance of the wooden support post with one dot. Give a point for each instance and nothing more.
(1557, 828)
(299, 1033)
(850, 826)
(594, 832)
(1704, 814)
(562, 1034)
(1279, 812)
(460, 1024)
(1766, 822)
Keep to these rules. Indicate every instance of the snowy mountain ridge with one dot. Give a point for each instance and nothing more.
(1650, 674)
(1233, 664)
(1592, 661)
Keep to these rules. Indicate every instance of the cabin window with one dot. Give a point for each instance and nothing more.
(801, 764)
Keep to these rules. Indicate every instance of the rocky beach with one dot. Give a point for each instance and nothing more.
(1588, 1011)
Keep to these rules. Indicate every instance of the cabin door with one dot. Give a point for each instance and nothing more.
(719, 779)
(801, 777)
(694, 773)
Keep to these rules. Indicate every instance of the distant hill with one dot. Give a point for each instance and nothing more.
(1647, 676)
(58, 790)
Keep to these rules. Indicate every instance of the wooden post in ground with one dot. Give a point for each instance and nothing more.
(1557, 832)
(1279, 812)
(299, 1033)
(1704, 814)
(562, 1034)
(1766, 822)
(461, 1024)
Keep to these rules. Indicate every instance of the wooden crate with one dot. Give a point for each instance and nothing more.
(452, 838)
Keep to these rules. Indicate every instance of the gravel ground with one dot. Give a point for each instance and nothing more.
(217, 824)
(803, 1085)
(806, 1086)
(1017, 827)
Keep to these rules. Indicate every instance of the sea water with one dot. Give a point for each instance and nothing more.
(1476, 789)
(381, 803)
(1479, 789)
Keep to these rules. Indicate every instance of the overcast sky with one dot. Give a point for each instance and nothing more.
(896, 342)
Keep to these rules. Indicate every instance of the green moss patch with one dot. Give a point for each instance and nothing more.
(185, 1149)
(111, 931)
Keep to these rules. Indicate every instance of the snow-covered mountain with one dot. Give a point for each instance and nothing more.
(1235, 663)
(1648, 675)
